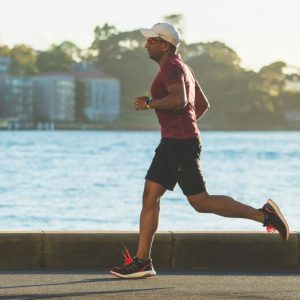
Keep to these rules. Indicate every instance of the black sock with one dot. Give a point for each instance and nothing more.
(141, 260)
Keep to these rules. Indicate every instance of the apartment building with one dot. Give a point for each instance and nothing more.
(102, 96)
(54, 98)
(59, 97)
(16, 97)
(5, 63)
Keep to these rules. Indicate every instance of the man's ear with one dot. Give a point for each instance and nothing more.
(166, 47)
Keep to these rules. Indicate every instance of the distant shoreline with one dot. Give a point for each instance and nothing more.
(137, 125)
(150, 129)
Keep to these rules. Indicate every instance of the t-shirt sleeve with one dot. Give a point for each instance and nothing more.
(171, 75)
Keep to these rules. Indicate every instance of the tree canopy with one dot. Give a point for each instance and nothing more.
(23, 60)
(239, 98)
(58, 57)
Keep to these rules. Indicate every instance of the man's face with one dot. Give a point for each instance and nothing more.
(155, 48)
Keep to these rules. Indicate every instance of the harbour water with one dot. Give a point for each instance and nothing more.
(93, 180)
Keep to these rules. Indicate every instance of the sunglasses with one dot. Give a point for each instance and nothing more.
(152, 41)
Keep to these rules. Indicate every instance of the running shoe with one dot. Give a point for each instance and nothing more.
(274, 220)
(134, 267)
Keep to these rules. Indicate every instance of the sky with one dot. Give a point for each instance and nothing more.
(260, 31)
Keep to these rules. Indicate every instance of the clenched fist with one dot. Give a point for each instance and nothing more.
(140, 103)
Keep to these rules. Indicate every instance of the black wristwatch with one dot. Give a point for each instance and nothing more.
(148, 103)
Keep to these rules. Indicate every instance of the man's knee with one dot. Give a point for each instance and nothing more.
(151, 201)
(200, 202)
(151, 196)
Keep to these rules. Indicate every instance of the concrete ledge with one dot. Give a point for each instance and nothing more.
(171, 250)
(21, 250)
(94, 250)
(235, 250)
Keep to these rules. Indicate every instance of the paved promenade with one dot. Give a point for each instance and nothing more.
(167, 285)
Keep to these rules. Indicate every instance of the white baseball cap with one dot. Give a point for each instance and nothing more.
(166, 31)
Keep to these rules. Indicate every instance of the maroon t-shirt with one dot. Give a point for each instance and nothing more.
(176, 123)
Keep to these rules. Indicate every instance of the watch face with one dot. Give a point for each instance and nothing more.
(148, 102)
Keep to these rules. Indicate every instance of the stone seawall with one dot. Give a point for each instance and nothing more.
(67, 250)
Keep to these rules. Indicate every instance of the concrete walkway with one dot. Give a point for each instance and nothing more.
(167, 285)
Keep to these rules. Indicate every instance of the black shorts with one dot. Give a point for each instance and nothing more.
(175, 161)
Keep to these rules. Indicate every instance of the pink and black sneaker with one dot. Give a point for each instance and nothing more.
(274, 220)
(134, 267)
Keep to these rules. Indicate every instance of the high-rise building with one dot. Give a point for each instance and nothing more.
(97, 94)
(16, 98)
(84, 94)
(5, 63)
(102, 97)
(54, 97)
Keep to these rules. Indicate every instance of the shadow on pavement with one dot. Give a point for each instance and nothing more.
(53, 296)
(107, 279)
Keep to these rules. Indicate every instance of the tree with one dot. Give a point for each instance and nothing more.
(226, 84)
(176, 20)
(101, 36)
(71, 50)
(58, 58)
(122, 54)
(220, 53)
(272, 78)
(103, 33)
(266, 89)
(109, 44)
(4, 50)
(23, 60)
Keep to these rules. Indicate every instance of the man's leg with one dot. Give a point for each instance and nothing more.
(224, 206)
(141, 265)
(149, 217)
(270, 215)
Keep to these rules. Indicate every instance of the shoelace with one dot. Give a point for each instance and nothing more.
(127, 257)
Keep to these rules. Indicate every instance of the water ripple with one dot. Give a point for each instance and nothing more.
(94, 180)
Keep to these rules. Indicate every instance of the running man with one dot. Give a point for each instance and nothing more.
(179, 102)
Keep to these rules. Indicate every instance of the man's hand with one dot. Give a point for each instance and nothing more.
(139, 103)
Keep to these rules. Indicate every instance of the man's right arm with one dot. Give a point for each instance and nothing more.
(201, 102)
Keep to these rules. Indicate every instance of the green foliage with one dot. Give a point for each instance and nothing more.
(239, 98)
(123, 55)
(4, 50)
(103, 33)
(71, 50)
(219, 53)
(177, 20)
(58, 58)
(23, 60)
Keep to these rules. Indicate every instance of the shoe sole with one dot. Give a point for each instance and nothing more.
(280, 215)
(144, 274)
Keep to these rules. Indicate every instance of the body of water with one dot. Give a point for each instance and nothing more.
(93, 180)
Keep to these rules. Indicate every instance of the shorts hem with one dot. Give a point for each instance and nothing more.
(194, 193)
(159, 182)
